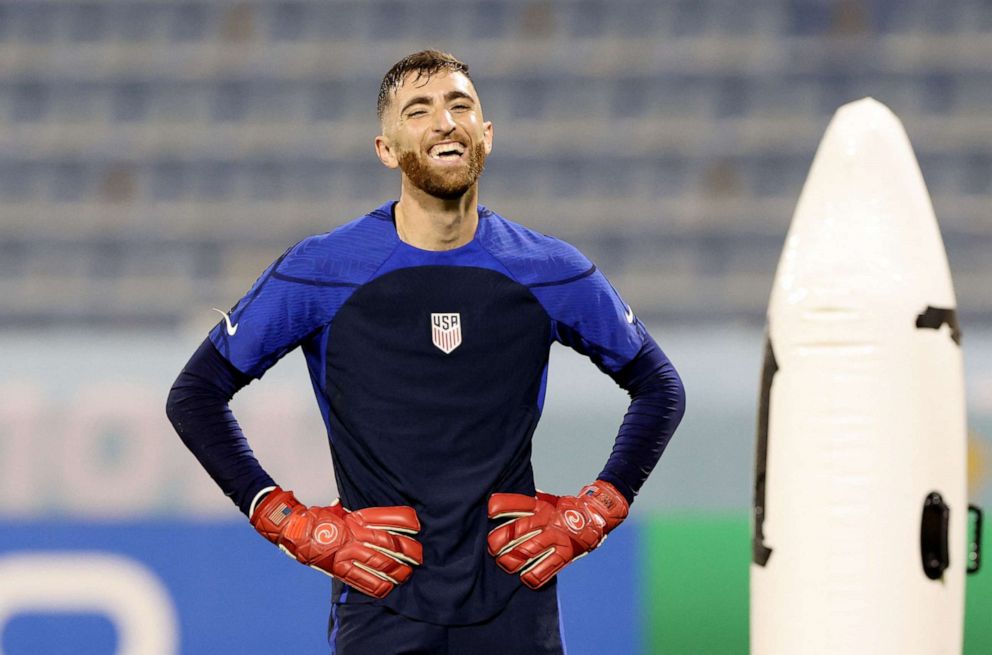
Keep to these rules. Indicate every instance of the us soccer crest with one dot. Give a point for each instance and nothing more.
(446, 331)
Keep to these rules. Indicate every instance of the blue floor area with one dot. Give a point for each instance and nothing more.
(232, 592)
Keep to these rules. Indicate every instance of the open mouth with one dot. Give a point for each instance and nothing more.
(446, 151)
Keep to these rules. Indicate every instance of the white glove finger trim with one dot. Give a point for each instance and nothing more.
(516, 542)
(288, 554)
(392, 528)
(317, 568)
(534, 561)
(578, 557)
(378, 574)
(510, 515)
(392, 554)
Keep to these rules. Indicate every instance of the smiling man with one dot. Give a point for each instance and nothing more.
(426, 325)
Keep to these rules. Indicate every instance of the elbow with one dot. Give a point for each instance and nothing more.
(181, 401)
(172, 406)
(674, 390)
(680, 396)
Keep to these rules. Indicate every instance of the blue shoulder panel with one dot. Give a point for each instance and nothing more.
(301, 291)
(587, 313)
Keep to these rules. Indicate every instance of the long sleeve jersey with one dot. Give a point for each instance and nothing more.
(430, 370)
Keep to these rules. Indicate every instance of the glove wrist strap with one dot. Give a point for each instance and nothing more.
(609, 502)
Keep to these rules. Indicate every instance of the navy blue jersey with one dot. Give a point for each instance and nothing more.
(429, 368)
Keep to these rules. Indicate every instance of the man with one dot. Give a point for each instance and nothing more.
(426, 327)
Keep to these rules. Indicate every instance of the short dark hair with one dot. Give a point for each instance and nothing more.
(425, 64)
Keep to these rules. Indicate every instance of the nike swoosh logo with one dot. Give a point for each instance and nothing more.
(629, 314)
(231, 329)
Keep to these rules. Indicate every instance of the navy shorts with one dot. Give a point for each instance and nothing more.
(528, 625)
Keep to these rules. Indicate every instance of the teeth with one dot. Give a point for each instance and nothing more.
(446, 147)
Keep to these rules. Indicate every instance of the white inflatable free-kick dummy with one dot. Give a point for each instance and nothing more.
(862, 413)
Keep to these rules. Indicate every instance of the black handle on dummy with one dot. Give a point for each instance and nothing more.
(933, 536)
(975, 547)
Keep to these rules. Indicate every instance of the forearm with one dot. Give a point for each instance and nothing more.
(656, 408)
(199, 411)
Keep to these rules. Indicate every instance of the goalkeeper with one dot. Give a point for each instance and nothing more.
(426, 326)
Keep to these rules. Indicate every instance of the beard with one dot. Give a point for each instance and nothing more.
(447, 183)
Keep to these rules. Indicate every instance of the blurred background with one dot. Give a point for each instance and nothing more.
(155, 156)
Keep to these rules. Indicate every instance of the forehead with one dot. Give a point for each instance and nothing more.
(439, 84)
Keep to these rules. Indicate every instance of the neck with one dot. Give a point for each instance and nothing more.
(431, 223)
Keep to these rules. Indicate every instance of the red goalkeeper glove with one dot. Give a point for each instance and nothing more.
(548, 532)
(368, 549)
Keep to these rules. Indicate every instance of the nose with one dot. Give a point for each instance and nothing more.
(443, 121)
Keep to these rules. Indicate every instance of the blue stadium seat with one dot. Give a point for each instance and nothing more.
(289, 21)
(265, 181)
(667, 176)
(30, 102)
(810, 17)
(590, 18)
(976, 178)
(369, 180)
(687, 19)
(87, 22)
(942, 173)
(328, 100)
(631, 97)
(833, 89)
(389, 19)
(74, 102)
(489, 19)
(973, 95)
(775, 175)
(31, 23)
(337, 20)
(511, 176)
(17, 181)
(936, 92)
(685, 95)
(140, 21)
(528, 98)
(794, 95)
(435, 23)
(315, 179)
(214, 181)
(736, 18)
(230, 101)
(939, 18)
(156, 259)
(179, 101)
(732, 99)
(130, 101)
(571, 97)
(976, 17)
(69, 180)
(190, 22)
(170, 181)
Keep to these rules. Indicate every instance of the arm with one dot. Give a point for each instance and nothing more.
(369, 549)
(198, 409)
(547, 532)
(657, 404)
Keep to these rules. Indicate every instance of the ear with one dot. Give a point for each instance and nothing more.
(487, 136)
(384, 149)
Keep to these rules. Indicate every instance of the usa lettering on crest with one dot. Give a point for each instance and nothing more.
(446, 331)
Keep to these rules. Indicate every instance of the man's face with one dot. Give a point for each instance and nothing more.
(434, 132)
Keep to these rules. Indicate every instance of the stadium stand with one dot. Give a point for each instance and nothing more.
(154, 156)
